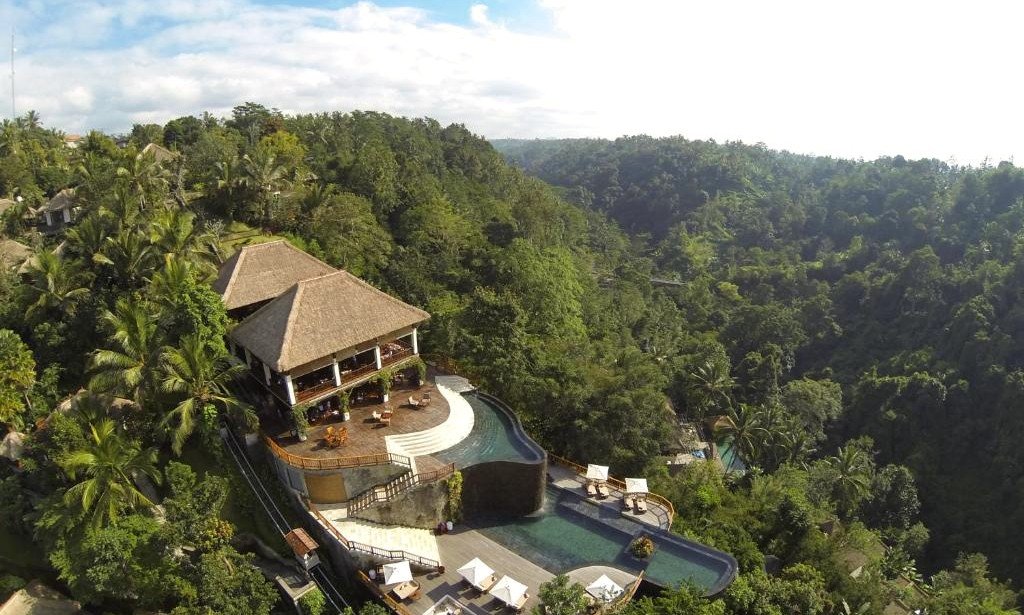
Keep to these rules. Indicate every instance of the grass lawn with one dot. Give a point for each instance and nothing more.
(241, 509)
(239, 234)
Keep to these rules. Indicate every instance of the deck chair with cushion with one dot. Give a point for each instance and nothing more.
(385, 417)
(602, 490)
(591, 490)
(627, 502)
(413, 402)
(641, 506)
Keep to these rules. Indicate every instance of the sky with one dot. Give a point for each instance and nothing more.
(844, 78)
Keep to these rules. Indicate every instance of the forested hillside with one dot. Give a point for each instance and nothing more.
(852, 320)
(899, 280)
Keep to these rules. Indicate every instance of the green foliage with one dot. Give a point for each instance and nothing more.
(9, 584)
(313, 602)
(561, 596)
(227, 582)
(17, 375)
(300, 420)
(453, 507)
(642, 547)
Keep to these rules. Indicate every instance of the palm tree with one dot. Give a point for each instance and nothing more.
(710, 386)
(745, 427)
(89, 236)
(145, 177)
(174, 232)
(264, 175)
(107, 464)
(55, 284)
(201, 374)
(853, 469)
(131, 255)
(129, 369)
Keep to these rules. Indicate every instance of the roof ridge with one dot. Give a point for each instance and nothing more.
(290, 323)
(366, 284)
(229, 285)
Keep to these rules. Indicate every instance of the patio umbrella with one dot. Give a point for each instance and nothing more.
(595, 472)
(397, 572)
(604, 589)
(476, 572)
(508, 590)
(636, 485)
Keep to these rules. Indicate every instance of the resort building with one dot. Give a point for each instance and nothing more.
(59, 211)
(425, 489)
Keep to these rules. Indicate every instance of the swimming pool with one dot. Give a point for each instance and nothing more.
(494, 437)
(569, 533)
(730, 457)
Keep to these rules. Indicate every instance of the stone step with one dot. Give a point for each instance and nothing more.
(453, 430)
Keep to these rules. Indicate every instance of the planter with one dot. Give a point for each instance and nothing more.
(303, 437)
(642, 547)
(346, 416)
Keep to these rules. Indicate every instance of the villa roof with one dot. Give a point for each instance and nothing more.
(14, 254)
(320, 316)
(262, 271)
(62, 200)
(6, 204)
(159, 152)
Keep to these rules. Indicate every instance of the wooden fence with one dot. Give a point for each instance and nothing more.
(393, 604)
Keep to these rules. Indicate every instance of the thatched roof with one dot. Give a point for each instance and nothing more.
(6, 204)
(13, 445)
(14, 254)
(322, 316)
(65, 199)
(263, 271)
(33, 261)
(38, 599)
(159, 152)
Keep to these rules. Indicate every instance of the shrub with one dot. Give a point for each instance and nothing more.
(642, 547)
(453, 510)
(313, 602)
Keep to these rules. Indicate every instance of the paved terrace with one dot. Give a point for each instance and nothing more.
(657, 514)
(462, 545)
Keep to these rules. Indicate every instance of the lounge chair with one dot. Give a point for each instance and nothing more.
(415, 403)
(385, 417)
(641, 506)
(522, 601)
(487, 584)
(376, 415)
(602, 490)
(592, 490)
(425, 401)
(627, 502)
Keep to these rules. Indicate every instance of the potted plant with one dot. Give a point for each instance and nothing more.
(386, 378)
(301, 421)
(345, 399)
(421, 372)
(642, 547)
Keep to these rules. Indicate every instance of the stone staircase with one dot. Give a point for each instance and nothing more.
(411, 540)
(453, 430)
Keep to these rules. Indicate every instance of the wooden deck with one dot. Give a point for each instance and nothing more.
(365, 434)
(462, 545)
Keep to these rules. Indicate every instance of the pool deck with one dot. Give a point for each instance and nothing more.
(461, 546)
(366, 436)
(570, 480)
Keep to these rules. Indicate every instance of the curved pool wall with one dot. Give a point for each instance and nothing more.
(503, 469)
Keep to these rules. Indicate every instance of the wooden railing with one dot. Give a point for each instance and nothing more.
(313, 391)
(387, 554)
(358, 372)
(388, 491)
(627, 595)
(393, 604)
(396, 356)
(618, 484)
(334, 463)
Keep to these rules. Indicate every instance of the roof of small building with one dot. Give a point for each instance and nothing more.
(300, 542)
(64, 199)
(262, 271)
(13, 445)
(159, 152)
(320, 316)
(13, 253)
(38, 599)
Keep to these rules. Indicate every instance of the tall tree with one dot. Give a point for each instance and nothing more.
(130, 367)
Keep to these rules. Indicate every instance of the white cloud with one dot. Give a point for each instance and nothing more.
(843, 78)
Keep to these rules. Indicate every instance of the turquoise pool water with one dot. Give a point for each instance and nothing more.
(730, 458)
(569, 533)
(493, 438)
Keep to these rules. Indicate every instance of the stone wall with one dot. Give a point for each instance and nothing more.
(422, 506)
(503, 487)
(334, 486)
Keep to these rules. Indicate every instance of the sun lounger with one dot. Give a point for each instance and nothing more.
(414, 402)
(641, 506)
(522, 601)
(592, 490)
(627, 502)
(385, 417)
(487, 583)
(602, 490)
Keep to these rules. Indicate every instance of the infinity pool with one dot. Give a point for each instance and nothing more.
(494, 438)
(569, 533)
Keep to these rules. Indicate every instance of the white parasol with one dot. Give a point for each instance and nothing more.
(397, 572)
(604, 589)
(595, 472)
(636, 485)
(476, 572)
(508, 590)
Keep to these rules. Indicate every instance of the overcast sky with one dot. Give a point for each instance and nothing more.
(838, 77)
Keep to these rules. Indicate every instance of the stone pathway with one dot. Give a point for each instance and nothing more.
(412, 540)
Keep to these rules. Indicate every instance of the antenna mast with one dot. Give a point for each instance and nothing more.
(14, 113)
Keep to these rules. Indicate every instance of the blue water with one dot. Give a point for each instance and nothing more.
(493, 438)
(730, 457)
(568, 533)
